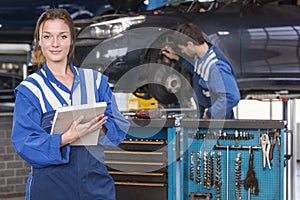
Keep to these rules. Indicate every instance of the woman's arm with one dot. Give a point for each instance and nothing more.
(116, 126)
(30, 140)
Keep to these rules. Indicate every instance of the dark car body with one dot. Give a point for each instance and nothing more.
(18, 17)
(8, 82)
(261, 40)
(17, 23)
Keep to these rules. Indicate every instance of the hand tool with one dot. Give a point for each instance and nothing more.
(200, 195)
(275, 138)
(279, 148)
(211, 168)
(192, 167)
(218, 182)
(198, 168)
(256, 148)
(236, 136)
(227, 171)
(265, 145)
(238, 176)
(251, 181)
(205, 169)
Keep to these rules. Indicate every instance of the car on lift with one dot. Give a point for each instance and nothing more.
(18, 17)
(261, 39)
(17, 23)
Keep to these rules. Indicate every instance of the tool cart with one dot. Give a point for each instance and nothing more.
(192, 159)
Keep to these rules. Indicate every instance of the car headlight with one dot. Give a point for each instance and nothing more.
(110, 28)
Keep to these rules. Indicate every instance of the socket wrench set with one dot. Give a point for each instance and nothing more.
(238, 159)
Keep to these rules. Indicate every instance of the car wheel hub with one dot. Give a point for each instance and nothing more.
(172, 83)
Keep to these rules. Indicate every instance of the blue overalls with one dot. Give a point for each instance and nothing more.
(69, 172)
(214, 84)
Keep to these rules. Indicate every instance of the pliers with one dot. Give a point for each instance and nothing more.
(276, 138)
(265, 145)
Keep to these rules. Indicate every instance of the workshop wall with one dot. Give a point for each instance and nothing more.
(13, 170)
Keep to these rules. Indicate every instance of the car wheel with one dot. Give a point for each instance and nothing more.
(169, 82)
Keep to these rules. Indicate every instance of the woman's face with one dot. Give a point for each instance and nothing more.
(55, 41)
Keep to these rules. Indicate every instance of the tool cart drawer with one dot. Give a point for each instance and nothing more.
(139, 165)
(231, 160)
(132, 191)
(136, 156)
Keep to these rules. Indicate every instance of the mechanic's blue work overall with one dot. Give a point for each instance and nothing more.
(69, 172)
(214, 84)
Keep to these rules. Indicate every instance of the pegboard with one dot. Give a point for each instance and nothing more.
(196, 140)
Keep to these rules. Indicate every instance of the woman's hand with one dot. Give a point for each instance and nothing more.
(78, 129)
